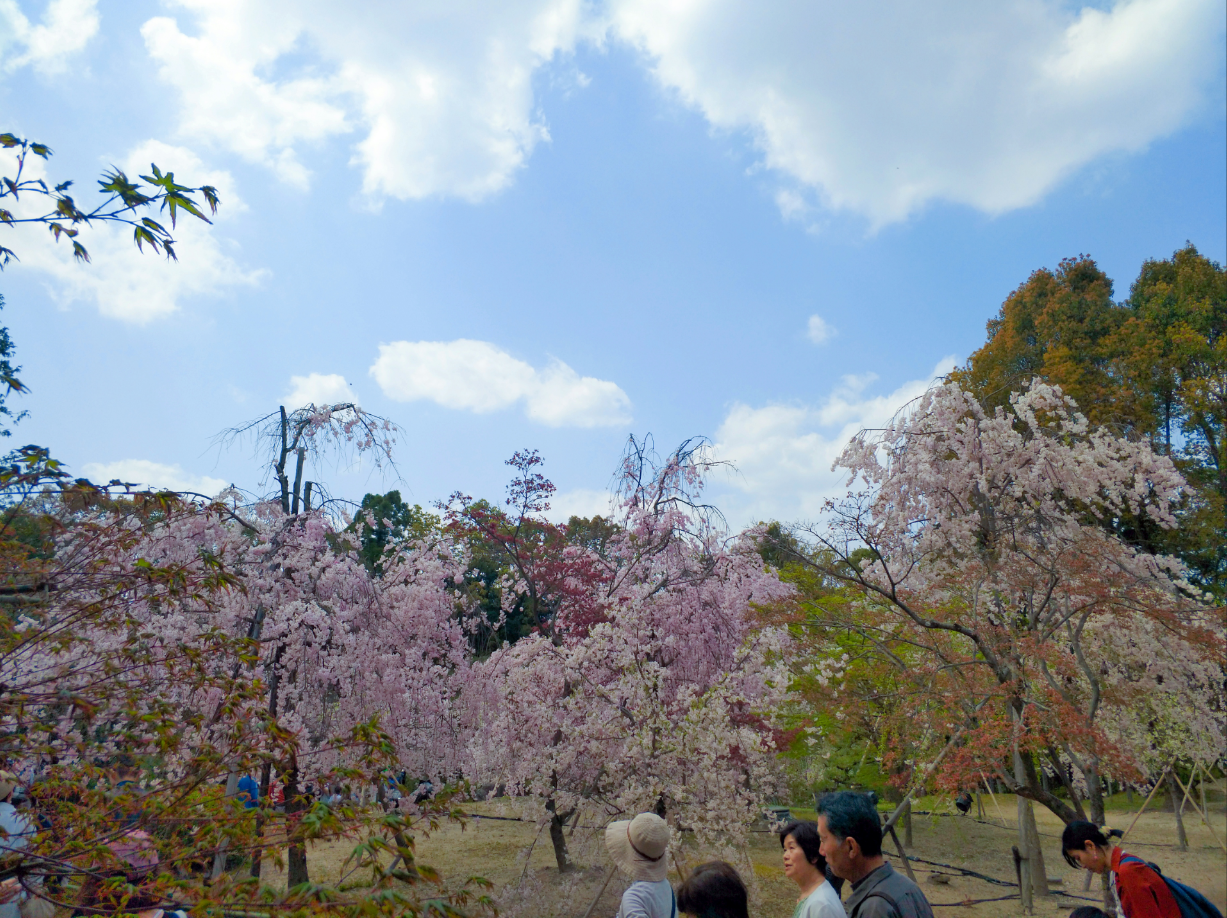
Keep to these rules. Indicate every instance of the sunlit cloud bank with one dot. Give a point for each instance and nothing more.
(881, 108)
(873, 109)
(477, 376)
(783, 453)
(146, 474)
(319, 389)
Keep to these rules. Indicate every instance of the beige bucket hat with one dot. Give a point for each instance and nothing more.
(638, 846)
(8, 783)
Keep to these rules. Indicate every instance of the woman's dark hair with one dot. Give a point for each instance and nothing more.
(714, 890)
(805, 834)
(853, 815)
(1087, 911)
(1078, 833)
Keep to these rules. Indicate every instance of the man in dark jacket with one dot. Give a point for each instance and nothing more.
(851, 833)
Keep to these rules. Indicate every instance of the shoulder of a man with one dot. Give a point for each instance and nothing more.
(893, 896)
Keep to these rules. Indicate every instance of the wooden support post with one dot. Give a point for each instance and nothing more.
(1205, 817)
(907, 865)
(600, 892)
(997, 806)
(1154, 790)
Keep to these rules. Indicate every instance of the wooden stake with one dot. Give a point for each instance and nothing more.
(1204, 816)
(907, 865)
(1154, 790)
(996, 805)
(600, 892)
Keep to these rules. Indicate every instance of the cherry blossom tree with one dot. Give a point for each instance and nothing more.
(343, 430)
(132, 636)
(985, 574)
(649, 688)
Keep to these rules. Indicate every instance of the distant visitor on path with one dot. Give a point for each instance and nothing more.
(714, 890)
(805, 866)
(639, 847)
(851, 833)
(249, 792)
(1138, 888)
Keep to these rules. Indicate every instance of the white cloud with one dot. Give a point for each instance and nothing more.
(440, 95)
(66, 28)
(146, 474)
(319, 389)
(881, 108)
(783, 453)
(585, 502)
(477, 376)
(876, 109)
(818, 331)
(128, 284)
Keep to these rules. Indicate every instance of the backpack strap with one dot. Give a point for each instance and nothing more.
(673, 896)
(881, 895)
(1133, 859)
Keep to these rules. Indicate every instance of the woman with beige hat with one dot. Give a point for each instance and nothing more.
(639, 847)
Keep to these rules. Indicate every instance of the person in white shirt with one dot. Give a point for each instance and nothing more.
(805, 866)
(639, 847)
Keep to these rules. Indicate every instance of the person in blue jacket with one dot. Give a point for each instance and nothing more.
(249, 792)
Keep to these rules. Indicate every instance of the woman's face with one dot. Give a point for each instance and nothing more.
(1091, 857)
(796, 867)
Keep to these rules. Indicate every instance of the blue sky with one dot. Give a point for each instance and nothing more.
(550, 224)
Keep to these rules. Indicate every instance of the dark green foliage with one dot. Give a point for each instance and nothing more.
(1150, 367)
(393, 521)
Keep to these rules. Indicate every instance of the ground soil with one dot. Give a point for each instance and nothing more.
(495, 849)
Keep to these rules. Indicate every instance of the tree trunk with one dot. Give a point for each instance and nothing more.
(1094, 793)
(282, 480)
(294, 806)
(1039, 874)
(907, 825)
(1201, 788)
(1024, 863)
(1034, 881)
(558, 822)
(302, 455)
(1173, 790)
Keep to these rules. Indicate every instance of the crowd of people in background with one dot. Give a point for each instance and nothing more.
(835, 861)
(844, 847)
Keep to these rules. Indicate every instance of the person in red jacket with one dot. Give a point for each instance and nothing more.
(1139, 891)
